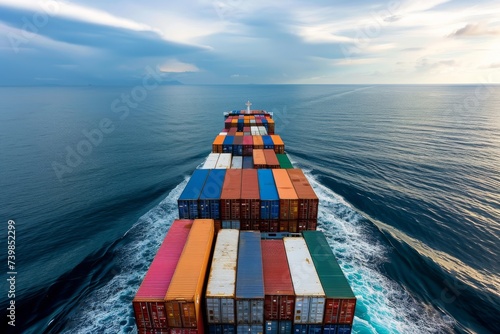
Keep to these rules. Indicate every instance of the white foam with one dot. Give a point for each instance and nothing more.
(109, 309)
(383, 306)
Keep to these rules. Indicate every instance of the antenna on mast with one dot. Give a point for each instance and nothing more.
(248, 104)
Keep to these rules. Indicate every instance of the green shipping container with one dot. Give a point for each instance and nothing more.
(284, 161)
(340, 301)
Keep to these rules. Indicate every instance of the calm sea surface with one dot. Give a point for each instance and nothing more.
(408, 179)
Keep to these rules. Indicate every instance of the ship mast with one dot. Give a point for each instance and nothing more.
(248, 104)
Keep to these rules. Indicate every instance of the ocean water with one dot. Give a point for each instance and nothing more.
(408, 179)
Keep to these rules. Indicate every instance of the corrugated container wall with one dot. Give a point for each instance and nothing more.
(308, 201)
(289, 202)
(184, 294)
(250, 195)
(278, 287)
(149, 303)
(269, 199)
(227, 145)
(231, 195)
(309, 294)
(209, 202)
(217, 144)
(188, 200)
(249, 280)
(221, 287)
(340, 300)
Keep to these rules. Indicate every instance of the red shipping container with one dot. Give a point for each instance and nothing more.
(230, 198)
(247, 145)
(347, 307)
(279, 298)
(271, 159)
(148, 303)
(250, 195)
(249, 224)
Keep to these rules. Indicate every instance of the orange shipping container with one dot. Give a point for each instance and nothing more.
(279, 145)
(217, 144)
(308, 201)
(259, 160)
(270, 125)
(258, 142)
(289, 202)
(185, 292)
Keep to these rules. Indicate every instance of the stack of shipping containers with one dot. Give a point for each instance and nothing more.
(188, 200)
(308, 201)
(289, 202)
(279, 298)
(269, 201)
(185, 292)
(340, 300)
(309, 294)
(250, 200)
(221, 287)
(149, 301)
(249, 285)
(293, 284)
(231, 199)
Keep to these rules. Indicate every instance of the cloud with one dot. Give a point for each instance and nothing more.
(176, 66)
(478, 29)
(425, 64)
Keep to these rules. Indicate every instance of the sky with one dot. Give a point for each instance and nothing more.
(52, 42)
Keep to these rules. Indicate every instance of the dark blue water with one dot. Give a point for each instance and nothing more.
(408, 177)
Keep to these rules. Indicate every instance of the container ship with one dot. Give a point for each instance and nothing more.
(244, 255)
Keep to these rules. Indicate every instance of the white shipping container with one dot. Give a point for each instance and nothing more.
(237, 162)
(262, 130)
(221, 286)
(222, 133)
(224, 161)
(254, 131)
(310, 297)
(211, 161)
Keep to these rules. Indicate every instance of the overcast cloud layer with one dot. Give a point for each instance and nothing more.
(249, 41)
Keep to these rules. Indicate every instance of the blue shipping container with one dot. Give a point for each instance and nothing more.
(265, 124)
(247, 162)
(227, 144)
(221, 329)
(209, 202)
(249, 280)
(188, 200)
(240, 125)
(278, 327)
(307, 329)
(268, 142)
(250, 329)
(269, 199)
